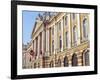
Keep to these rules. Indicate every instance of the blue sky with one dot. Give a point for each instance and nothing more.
(28, 24)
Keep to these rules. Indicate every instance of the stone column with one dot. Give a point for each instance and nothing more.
(80, 58)
(78, 27)
(55, 38)
(43, 42)
(40, 42)
(69, 60)
(42, 45)
(64, 45)
(62, 32)
(47, 44)
(88, 29)
(35, 46)
(38, 46)
(69, 31)
(48, 41)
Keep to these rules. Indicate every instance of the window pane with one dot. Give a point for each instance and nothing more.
(85, 28)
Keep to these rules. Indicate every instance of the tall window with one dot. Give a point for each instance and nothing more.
(53, 30)
(53, 46)
(66, 39)
(60, 42)
(73, 16)
(59, 25)
(44, 40)
(75, 36)
(41, 42)
(65, 61)
(86, 58)
(50, 40)
(74, 60)
(85, 26)
(36, 46)
(66, 20)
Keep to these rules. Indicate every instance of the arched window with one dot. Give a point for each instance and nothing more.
(51, 64)
(75, 35)
(59, 63)
(86, 58)
(34, 65)
(65, 61)
(74, 60)
(85, 26)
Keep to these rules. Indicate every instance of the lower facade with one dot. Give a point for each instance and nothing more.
(75, 56)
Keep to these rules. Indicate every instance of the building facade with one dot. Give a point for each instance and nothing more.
(60, 40)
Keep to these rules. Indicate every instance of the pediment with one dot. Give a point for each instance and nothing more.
(36, 26)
